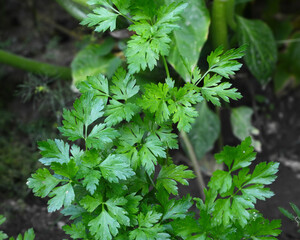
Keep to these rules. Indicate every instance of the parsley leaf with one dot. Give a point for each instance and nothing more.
(87, 109)
(141, 151)
(115, 168)
(213, 89)
(240, 192)
(42, 182)
(104, 227)
(54, 151)
(224, 64)
(100, 136)
(61, 196)
(152, 40)
(122, 106)
(170, 175)
(76, 231)
(102, 18)
(149, 228)
(177, 208)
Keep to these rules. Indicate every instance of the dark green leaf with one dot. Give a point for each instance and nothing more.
(261, 55)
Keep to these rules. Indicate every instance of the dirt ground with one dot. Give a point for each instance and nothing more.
(277, 118)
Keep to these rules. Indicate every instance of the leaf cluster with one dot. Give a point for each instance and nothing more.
(151, 27)
(113, 175)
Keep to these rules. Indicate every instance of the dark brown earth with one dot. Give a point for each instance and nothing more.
(278, 120)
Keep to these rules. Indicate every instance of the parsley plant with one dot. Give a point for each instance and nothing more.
(115, 179)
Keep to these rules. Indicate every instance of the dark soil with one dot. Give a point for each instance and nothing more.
(278, 120)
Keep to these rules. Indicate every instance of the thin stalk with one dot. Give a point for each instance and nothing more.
(195, 164)
(82, 3)
(60, 27)
(230, 14)
(166, 66)
(220, 138)
(219, 30)
(34, 66)
(72, 9)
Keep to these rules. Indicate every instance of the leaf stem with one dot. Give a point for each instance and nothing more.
(34, 66)
(219, 29)
(195, 164)
(166, 66)
(72, 9)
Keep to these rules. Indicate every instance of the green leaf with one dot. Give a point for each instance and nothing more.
(148, 228)
(122, 107)
(296, 209)
(188, 40)
(205, 130)
(225, 64)
(42, 182)
(104, 227)
(262, 229)
(94, 59)
(132, 207)
(181, 106)
(169, 175)
(54, 151)
(167, 137)
(169, 13)
(115, 168)
(102, 18)
(76, 231)
(91, 180)
(155, 100)
(74, 211)
(28, 235)
(87, 109)
(124, 85)
(2, 234)
(142, 53)
(117, 111)
(181, 229)
(98, 85)
(175, 209)
(213, 90)
(101, 136)
(287, 72)
(2, 219)
(152, 40)
(241, 125)
(150, 150)
(141, 152)
(261, 55)
(61, 196)
(91, 203)
(264, 173)
(220, 181)
(237, 157)
(116, 209)
(68, 170)
(286, 213)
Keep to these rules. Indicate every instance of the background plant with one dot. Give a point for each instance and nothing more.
(291, 216)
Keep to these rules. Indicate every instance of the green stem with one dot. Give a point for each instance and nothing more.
(219, 31)
(195, 163)
(34, 66)
(220, 138)
(73, 9)
(166, 66)
(230, 14)
(82, 3)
